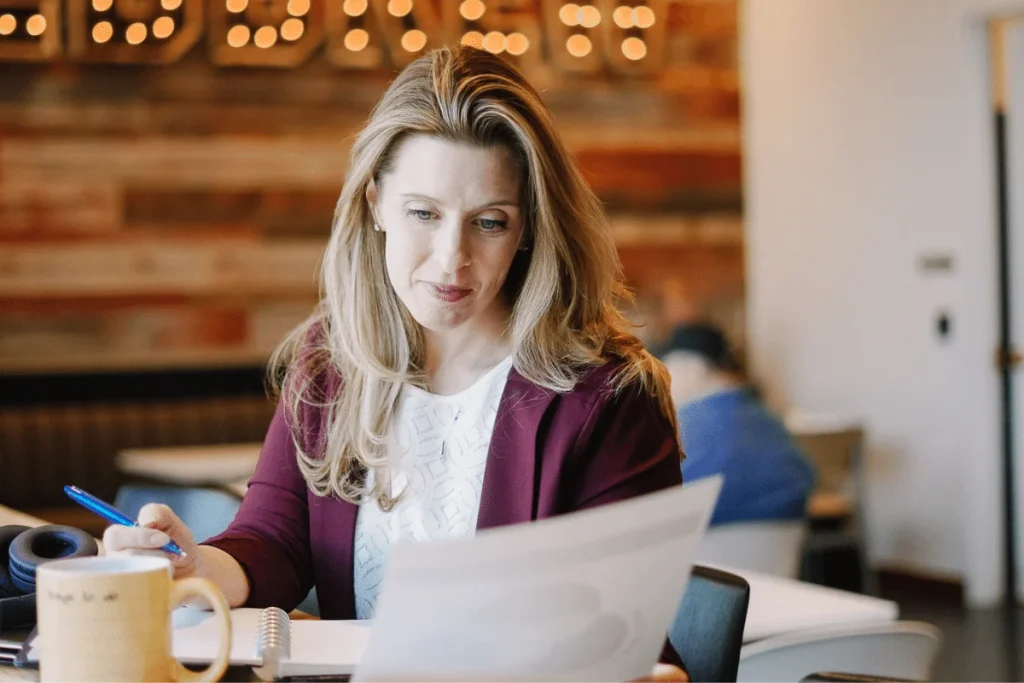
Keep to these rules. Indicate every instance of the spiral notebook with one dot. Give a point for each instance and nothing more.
(272, 643)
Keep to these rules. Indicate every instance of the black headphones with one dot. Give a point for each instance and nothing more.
(22, 550)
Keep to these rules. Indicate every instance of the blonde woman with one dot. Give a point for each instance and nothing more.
(467, 367)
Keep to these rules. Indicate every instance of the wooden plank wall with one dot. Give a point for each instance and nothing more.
(174, 216)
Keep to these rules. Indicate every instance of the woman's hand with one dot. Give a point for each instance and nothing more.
(157, 525)
(666, 672)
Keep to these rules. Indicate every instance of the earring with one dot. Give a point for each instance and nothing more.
(376, 227)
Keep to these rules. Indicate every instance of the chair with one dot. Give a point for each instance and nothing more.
(206, 512)
(768, 547)
(835, 509)
(896, 650)
(708, 628)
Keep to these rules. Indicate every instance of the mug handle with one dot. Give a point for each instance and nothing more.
(184, 589)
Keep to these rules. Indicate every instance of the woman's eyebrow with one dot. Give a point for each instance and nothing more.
(433, 200)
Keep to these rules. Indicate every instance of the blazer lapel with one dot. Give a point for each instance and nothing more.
(508, 494)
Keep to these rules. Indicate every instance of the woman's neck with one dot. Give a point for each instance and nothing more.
(455, 359)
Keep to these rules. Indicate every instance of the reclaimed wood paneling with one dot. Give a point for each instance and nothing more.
(174, 216)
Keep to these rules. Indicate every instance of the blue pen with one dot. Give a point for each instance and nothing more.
(110, 513)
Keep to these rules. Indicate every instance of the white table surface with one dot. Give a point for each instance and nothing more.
(192, 465)
(779, 605)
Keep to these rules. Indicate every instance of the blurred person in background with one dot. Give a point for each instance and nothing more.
(726, 429)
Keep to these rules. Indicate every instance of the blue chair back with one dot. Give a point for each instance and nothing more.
(708, 629)
(206, 512)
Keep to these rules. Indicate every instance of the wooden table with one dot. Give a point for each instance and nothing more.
(192, 465)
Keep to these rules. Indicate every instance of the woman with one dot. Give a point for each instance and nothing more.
(467, 367)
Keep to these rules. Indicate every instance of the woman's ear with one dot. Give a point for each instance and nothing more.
(371, 200)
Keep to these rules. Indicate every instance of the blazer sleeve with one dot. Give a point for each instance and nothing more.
(626, 448)
(269, 535)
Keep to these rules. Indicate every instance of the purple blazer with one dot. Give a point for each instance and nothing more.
(550, 454)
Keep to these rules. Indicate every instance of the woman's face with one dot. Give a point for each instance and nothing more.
(453, 222)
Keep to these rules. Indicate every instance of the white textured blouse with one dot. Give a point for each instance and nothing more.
(438, 446)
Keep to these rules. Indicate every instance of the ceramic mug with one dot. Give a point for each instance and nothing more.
(109, 619)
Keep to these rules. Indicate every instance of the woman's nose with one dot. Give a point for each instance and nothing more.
(450, 247)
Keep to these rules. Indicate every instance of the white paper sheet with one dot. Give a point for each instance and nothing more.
(587, 596)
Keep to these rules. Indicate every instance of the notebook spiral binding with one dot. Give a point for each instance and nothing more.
(273, 641)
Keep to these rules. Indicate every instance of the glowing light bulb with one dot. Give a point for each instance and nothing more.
(414, 40)
(35, 25)
(265, 37)
(471, 10)
(588, 16)
(494, 42)
(634, 49)
(7, 24)
(163, 27)
(473, 39)
(298, 8)
(578, 45)
(292, 29)
(623, 17)
(136, 33)
(568, 14)
(354, 8)
(102, 32)
(238, 35)
(357, 39)
(399, 8)
(643, 17)
(517, 44)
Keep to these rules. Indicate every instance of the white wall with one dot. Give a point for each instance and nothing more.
(867, 133)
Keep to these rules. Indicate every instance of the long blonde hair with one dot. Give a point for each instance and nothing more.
(562, 290)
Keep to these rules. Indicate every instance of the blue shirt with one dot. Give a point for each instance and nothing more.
(731, 433)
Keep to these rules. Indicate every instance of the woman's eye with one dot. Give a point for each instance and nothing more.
(491, 224)
(421, 214)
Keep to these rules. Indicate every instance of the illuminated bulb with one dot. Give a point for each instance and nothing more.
(292, 29)
(494, 42)
(414, 40)
(471, 10)
(7, 24)
(102, 32)
(170, 5)
(238, 35)
(298, 8)
(578, 45)
(568, 14)
(517, 44)
(163, 27)
(36, 24)
(265, 37)
(634, 48)
(102, 5)
(136, 33)
(354, 8)
(236, 6)
(399, 8)
(357, 39)
(623, 17)
(473, 39)
(643, 17)
(588, 16)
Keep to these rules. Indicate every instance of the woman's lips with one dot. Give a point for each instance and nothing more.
(448, 293)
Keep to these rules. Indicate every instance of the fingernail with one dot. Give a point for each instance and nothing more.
(157, 538)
